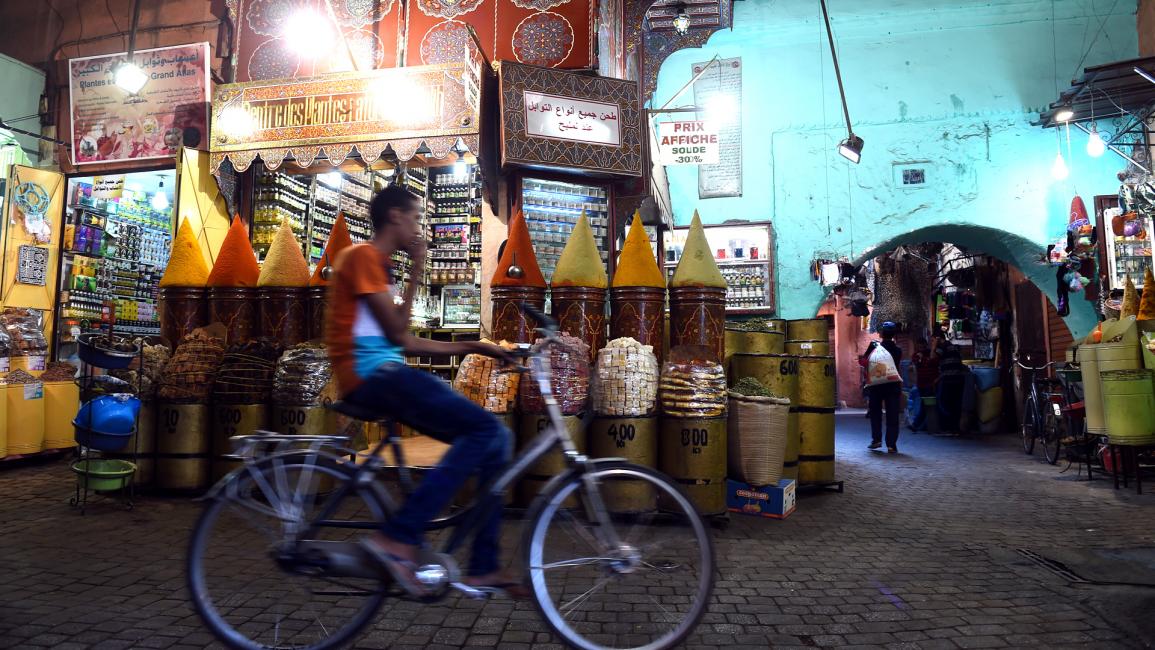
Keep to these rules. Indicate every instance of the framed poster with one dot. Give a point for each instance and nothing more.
(719, 90)
(32, 265)
(109, 124)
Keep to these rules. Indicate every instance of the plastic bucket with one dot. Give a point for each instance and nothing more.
(25, 418)
(104, 474)
(990, 404)
(986, 377)
(61, 402)
(1092, 390)
(1129, 406)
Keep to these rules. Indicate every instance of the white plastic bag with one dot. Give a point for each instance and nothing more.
(881, 368)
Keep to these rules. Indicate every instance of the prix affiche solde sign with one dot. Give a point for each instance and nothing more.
(109, 124)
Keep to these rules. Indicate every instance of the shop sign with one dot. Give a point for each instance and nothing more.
(688, 142)
(108, 124)
(566, 118)
(108, 187)
(570, 121)
(387, 104)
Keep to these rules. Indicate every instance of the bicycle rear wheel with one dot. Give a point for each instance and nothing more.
(649, 590)
(1030, 424)
(246, 591)
(1053, 432)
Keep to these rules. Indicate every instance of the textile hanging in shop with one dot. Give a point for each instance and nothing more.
(901, 292)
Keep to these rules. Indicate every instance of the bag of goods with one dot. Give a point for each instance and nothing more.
(59, 371)
(246, 372)
(756, 433)
(693, 385)
(487, 382)
(190, 373)
(569, 378)
(20, 377)
(156, 357)
(880, 367)
(303, 372)
(625, 381)
(24, 331)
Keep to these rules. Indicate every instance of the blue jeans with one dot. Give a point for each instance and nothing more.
(481, 446)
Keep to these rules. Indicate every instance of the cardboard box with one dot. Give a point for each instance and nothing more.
(771, 501)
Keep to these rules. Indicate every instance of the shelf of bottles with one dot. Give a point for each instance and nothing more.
(742, 253)
(311, 203)
(114, 252)
(453, 216)
(1128, 255)
(552, 208)
(336, 193)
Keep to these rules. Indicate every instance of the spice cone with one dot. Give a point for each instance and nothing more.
(236, 264)
(1130, 300)
(636, 265)
(1147, 303)
(697, 267)
(519, 251)
(339, 240)
(580, 264)
(285, 264)
(186, 265)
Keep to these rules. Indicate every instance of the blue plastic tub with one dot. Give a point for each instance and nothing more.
(100, 440)
(986, 377)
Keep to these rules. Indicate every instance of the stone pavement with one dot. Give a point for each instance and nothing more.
(921, 551)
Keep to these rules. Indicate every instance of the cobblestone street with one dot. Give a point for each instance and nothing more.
(921, 551)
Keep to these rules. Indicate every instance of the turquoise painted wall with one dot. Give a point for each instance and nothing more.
(950, 85)
(22, 86)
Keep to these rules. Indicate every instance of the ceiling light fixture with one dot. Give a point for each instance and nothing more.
(851, 147)
(1143, 73)
(127, 75)
(681, 19)
(460, 168)
(1064, 113)
(309, 34)
(160, 199)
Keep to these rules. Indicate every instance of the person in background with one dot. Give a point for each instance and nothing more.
(925, 362)
(887, 394)
(952, 379)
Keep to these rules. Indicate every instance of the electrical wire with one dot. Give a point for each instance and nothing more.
(825, 149)
(80, 17)
(111, 16)
(1102, 25)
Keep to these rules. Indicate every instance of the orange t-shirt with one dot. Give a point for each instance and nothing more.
(357, 343)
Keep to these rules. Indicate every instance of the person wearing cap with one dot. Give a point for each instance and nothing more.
(886, 395)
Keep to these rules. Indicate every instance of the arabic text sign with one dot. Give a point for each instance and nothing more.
(689, 142)
(109, 124)
(108, 187)
(565, 118)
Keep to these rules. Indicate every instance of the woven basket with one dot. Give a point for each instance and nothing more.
(757, 438)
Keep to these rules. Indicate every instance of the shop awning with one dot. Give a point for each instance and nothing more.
(1106, 92)
(395, 113)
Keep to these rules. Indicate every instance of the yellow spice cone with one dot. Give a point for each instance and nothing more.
(636, 265)
(285, 264)
(697, 267)
(186, 266)
(1130, 300)
(1147, 303)
(580, 264)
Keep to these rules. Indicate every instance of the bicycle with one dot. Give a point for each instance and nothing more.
(1043, 418)
(600, 579)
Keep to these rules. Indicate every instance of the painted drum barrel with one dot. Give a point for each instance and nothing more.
(744, 342)
(553, 463)
(635, 440)
(1129, 406)
(233, 420)
(182, 310)
(4, 427)
(779, 373)
(639, 313)
(692, 451)
(815, 409)
(808, 348)
(807, 329)
(141, 447)
(61, 404)
(182, 446)
(25, 418)
(698, 317)
(318, 302)
(236, 309)
(1088, 356)
(509, 323)
(282, 312)
(309, 419)
(581, 311)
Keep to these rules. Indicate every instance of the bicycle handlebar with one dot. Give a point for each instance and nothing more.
(1024, 366)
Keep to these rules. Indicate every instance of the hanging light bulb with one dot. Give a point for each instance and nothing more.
(1059, 168)
(160, 199)
(1095, 145)
(460, 168)
(681, 20)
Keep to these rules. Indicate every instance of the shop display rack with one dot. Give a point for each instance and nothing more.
(311, 203)
(552, 209)
(743, 255)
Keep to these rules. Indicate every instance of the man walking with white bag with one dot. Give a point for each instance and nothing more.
(884, 387)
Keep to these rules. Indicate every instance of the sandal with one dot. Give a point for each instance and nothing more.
(403, 571)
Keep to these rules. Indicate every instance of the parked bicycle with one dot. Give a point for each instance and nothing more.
(1043, 419)
(274, 562)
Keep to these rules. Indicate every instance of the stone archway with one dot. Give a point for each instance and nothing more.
(1016, 250)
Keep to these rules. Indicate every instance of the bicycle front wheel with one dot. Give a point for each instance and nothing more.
(246, 583)
(1053, 432)
(643, 584)
(1030, 427)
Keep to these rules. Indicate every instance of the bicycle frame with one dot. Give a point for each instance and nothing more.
(468, 520)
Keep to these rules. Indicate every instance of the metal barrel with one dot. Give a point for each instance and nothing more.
(553, 463)
(692, 451)
(636, 440)
(141, 447)
(1129, 406)
(303, 419)
(182, 444)
(61, 403)
(819, 348)
(1088, 356)
(25, 418)
(815, 409)
(779, 373)
(808, 329)
(233, 420)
